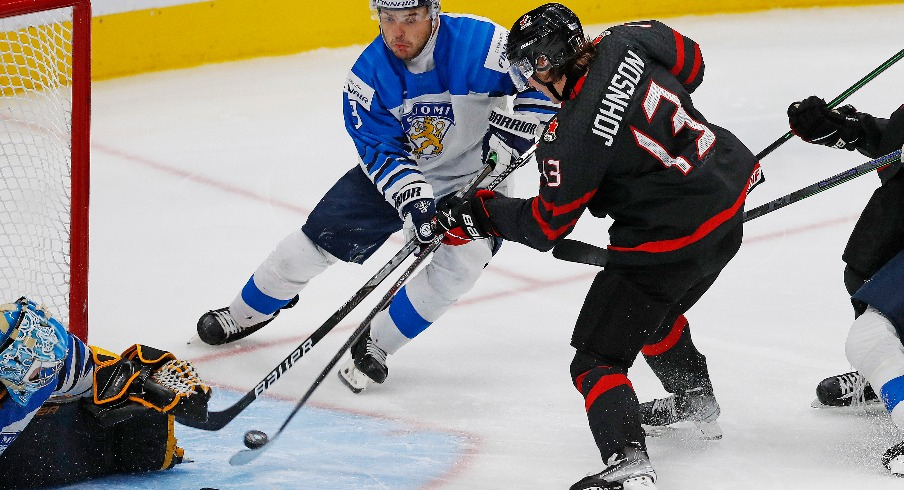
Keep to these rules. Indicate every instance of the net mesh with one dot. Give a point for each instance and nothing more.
(36, 158)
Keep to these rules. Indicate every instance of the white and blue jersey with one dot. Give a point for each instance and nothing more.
(424, 120)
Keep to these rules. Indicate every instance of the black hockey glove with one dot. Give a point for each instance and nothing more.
(509, 136)
(419, 216)
(464, 220)
(814, 122)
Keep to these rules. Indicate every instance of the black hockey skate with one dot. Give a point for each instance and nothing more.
(698, 407)
(367, 364)
(217, 327)
(629, 469)
(844, 390)
(893, 459)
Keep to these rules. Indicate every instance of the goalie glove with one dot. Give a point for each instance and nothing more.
(145, 378)
(465, 220)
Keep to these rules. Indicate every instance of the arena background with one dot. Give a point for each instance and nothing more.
(136, 36)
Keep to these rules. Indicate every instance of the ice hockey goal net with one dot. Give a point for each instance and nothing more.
(45, 80)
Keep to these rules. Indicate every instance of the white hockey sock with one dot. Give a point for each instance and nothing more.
(285, 272)
(875, 350)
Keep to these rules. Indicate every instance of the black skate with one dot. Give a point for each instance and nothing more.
(893, 459)
(367, 364)
(845, 390)
(217, 327)
(692, 413)
(629, 469)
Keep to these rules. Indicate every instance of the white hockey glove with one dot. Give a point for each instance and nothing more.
(509, 135)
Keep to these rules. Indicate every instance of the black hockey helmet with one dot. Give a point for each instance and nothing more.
(542, 39)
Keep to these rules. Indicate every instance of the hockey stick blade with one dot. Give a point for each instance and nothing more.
(246, 456)
(580, 252)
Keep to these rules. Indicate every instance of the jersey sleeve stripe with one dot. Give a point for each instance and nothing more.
(698, 60)
(569, 207)
(550, 232)
(679, 53)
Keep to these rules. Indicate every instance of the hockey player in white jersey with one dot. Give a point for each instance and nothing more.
(424, 104)
(70, 412)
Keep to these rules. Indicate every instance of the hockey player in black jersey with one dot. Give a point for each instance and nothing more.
(627, 143)
(874, 264)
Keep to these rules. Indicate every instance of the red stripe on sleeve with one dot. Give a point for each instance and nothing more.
(553, 233)
(679, 53)
(605, 384)
(550, 233)
(698, 60)
(669, 341)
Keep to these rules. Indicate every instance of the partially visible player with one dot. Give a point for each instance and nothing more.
(627, 143)
(874, 263)
(425, 104)
(70, 412)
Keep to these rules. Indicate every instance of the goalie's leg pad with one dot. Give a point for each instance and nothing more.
(65, 444)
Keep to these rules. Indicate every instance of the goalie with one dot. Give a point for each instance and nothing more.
(75, 412)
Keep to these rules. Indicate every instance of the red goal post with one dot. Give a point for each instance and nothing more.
(45, 92)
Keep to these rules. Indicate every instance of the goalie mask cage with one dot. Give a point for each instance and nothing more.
(45, 80)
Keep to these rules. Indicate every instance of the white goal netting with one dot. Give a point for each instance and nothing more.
(36, 158)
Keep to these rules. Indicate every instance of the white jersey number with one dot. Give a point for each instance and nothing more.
(680, 121)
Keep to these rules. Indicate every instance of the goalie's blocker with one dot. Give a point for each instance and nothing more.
(145, 377)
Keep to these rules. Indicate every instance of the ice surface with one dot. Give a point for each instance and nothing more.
(198, 173)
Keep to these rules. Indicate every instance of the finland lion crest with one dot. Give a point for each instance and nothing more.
(426, 124)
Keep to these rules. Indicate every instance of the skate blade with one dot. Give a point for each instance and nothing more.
(867, 405)
(355, 380)
(704, 431)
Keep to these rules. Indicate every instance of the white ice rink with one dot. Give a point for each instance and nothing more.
(198, 173)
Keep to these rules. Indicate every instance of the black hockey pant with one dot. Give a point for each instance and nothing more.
(628, 311)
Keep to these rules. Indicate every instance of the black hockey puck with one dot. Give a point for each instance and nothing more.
(255, 439)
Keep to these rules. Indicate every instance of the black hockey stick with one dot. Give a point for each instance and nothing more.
(838, 100)
(246, 456)
(218, 419)
(822, 185)
(586, 253)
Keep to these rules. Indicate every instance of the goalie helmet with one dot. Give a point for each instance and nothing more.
(375, 6)
(542, 39)
(33, 349)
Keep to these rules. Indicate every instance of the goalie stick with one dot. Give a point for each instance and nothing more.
(246, 456)
(585, 253)
(838, 100)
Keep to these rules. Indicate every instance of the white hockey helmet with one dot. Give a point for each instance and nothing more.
(376, 5)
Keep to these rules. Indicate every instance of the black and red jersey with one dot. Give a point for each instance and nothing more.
(632, 146)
